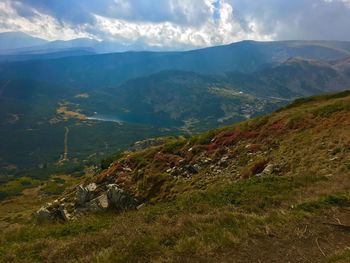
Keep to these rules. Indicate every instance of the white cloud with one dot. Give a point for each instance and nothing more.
(213, 31)
(178, 23)
(40, 25)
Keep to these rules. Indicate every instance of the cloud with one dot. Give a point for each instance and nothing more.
(178, 23)
(38, 24)
(219, 28)
(299, 19)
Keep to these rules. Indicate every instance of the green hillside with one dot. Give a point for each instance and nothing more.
(270, 189)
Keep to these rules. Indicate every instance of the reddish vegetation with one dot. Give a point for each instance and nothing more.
(171, 159)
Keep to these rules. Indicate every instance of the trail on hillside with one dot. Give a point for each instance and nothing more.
(65, 152)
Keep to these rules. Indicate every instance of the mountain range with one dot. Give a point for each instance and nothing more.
(159, 92)
(16, 46)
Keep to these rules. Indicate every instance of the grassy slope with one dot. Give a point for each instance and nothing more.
(232, 216)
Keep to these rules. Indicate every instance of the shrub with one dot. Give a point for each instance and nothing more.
(106, 162)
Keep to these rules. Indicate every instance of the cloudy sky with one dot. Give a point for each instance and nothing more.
(178, 23)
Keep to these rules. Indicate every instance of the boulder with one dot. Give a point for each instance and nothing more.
(98, 204)
(85, 194)
(63, 213)
(119, 199)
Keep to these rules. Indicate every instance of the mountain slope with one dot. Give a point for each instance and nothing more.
(295, 77)
(178, 97)
(168, 100)
(271, 189)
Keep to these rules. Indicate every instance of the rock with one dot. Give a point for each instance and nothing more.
(140, 206)
(63, 213)
(197, 167)
(98, 204)
(127, 169)
(223, 161)
(85, 194)
(140, 145)
(192, 169)
(50, 213)
(119, 199)
(91, 187)
(207, 160)
(44, 215)
(268, 169)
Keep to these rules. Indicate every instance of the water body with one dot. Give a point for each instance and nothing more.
(104, 117)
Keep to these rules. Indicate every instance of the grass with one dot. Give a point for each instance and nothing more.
(328, 110)
(194, 226)
(320, 98)
(341, 257)
(217, 217)
(325, 202)
(16, 187)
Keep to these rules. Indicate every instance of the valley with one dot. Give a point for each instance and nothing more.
(160, 93)
(149, 131)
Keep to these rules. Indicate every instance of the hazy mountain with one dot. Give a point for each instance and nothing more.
(17, 40)
(18, 43)
(97, 71)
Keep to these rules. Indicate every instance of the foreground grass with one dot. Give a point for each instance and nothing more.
(199, 225)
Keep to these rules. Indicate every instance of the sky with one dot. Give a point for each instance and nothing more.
(178, 23)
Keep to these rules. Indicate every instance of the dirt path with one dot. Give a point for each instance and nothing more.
(65, 153)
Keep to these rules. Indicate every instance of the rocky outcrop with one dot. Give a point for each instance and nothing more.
(119, 199)
(85, 194)
(89, 199)
(98, 204)
(53, 212)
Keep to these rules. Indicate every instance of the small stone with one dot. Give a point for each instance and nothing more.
(91, 187)
(127, 169)
(140, 206)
